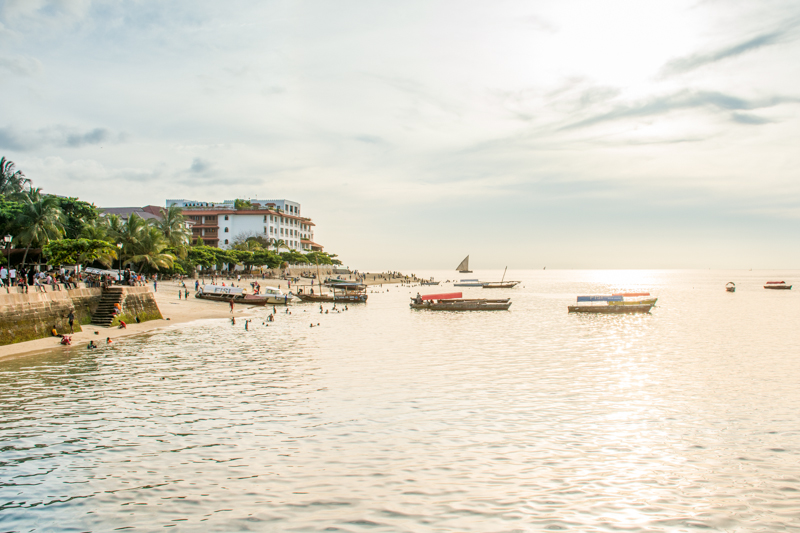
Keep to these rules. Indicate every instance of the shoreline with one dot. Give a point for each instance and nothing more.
(174, 310)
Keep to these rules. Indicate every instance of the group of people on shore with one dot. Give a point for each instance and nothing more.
(25, 278)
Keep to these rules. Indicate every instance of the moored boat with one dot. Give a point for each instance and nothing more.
(502, 284)
(778, 286)
(429, 282)
(454, 302)
(217, 293)
(468, 283)
(612, 304)
(730, 287)
(340, 292)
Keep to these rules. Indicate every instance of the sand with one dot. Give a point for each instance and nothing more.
(174, 310)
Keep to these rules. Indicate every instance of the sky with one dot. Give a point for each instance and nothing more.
(566, 134)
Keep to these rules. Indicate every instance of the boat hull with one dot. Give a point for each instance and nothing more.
(463, 306)
(353, 299)
(610, 309)
(238, 299)
(500, 285)
(778, 287)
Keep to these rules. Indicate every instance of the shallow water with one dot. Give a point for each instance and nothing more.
(388, 419)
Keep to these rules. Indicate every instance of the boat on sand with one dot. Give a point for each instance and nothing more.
(217, 293)
(454, 302)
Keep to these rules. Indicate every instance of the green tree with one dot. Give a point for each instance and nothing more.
(173, 226)
(10, 212)
(12, 181)
(41, 221)
(149, 251)
(77, 214)
(240, 204)
(79, 251)
(202, 255)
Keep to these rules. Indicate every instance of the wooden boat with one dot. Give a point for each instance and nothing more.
(778, 286)
(463, 266)
(502, 284)
(454, 302)
(730, 287)
(612, 304)
(340, 292)
(430, 282)
(216, 293)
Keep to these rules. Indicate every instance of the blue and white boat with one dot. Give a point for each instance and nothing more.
(468, 283)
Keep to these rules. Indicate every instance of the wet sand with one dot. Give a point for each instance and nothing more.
(174, 310)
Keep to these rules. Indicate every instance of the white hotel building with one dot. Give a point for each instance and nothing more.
(219, 224)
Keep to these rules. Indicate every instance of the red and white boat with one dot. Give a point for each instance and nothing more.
(778, 286)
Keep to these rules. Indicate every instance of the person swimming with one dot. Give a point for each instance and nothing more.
(109, 341)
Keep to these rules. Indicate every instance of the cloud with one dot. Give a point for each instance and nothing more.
(370, 139)
(58, 136)
(688, 63)
(745, 118)
(21, 65)
(200, 166)
(686, 99)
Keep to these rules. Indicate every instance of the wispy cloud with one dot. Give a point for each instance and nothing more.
(685, 99)
(688, 63)
(59, 136)
(21, 65)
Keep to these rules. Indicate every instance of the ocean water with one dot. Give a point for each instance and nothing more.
(389, 419)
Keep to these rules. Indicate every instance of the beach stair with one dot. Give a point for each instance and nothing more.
(103, 316)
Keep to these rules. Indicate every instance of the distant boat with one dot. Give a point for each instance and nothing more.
(429, 282)
(468, 283)
(778, 285)
(502, 284)
(730, 287)
(463, 266)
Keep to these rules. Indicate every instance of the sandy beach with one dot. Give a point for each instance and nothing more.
(174, 310)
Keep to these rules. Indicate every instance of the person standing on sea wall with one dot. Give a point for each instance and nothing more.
(4, 276)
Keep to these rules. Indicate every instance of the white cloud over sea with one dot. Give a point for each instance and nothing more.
(570, 133)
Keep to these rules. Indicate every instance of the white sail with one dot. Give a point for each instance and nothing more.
(464, 265)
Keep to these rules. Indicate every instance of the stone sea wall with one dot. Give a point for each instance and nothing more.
(139, 302)
(25, 317)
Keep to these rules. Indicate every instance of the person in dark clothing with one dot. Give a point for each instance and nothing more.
(71, 318)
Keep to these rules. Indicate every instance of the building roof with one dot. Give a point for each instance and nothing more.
(125, 212)
(260, 212)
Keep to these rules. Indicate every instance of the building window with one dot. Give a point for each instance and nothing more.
(226, 241)
(226, 218)
(226, 230)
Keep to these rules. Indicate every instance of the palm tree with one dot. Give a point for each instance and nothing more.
(12, 182)
(96, 230)
(173, 226)
(149, 250)
(42, 220)
(278, 244)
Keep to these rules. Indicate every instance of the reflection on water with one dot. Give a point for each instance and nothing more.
(386, 419)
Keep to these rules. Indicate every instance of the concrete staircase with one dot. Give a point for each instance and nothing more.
(103, 316)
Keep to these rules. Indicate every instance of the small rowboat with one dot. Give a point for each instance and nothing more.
(468, 283)
(454, 302)
(730, 287)
(778, 286)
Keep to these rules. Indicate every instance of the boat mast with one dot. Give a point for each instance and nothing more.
(504, 275)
